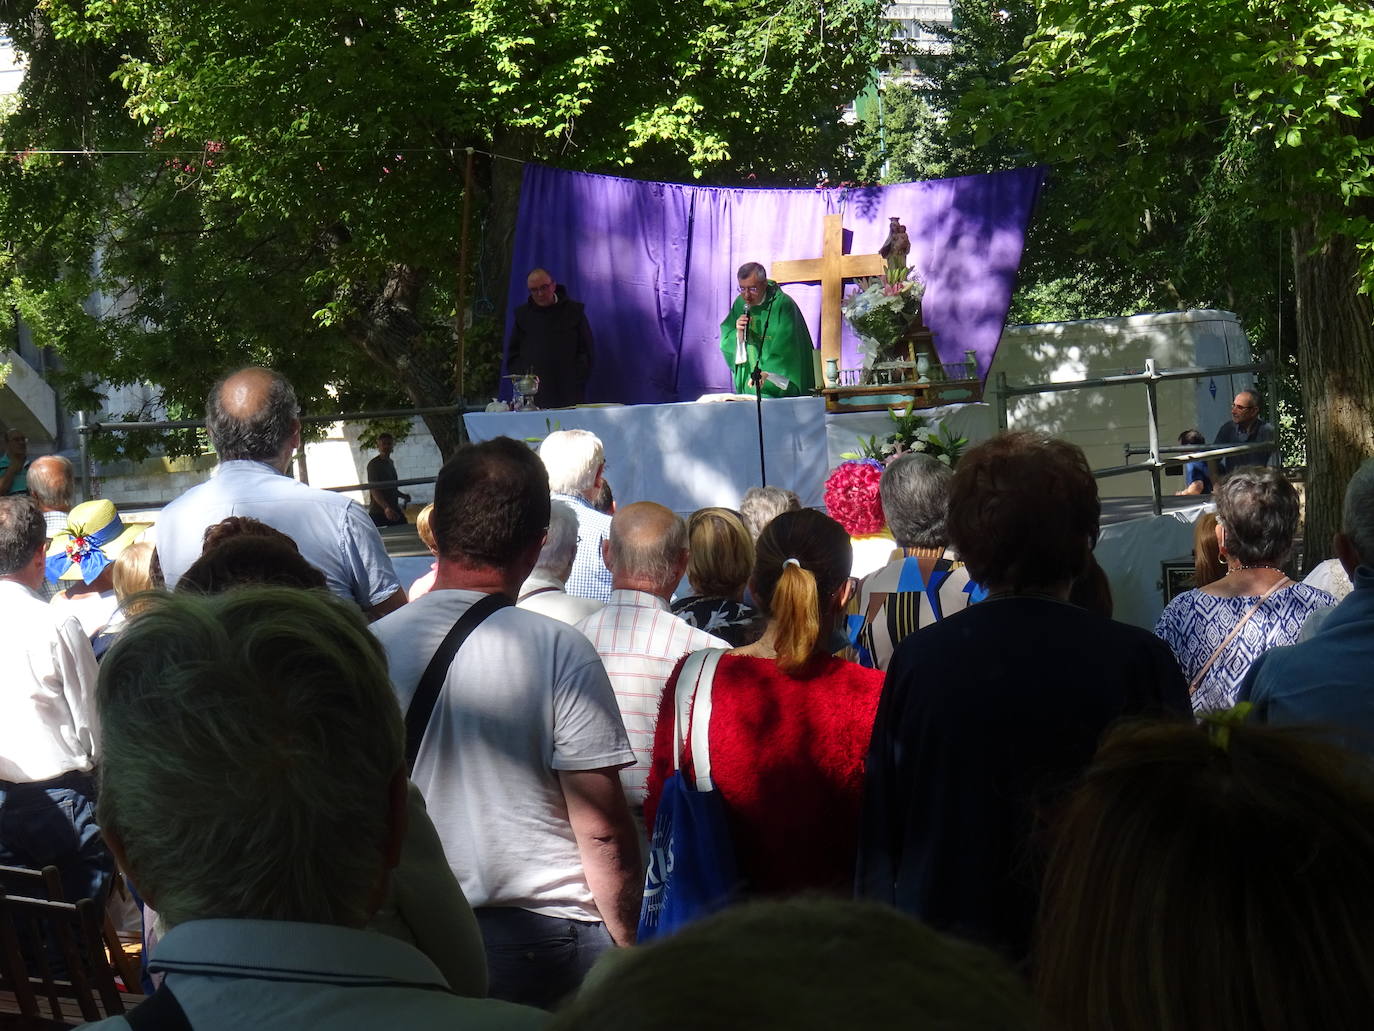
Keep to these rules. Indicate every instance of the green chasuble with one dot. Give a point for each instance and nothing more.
(787, 350)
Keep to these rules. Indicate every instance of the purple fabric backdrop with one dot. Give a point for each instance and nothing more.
(654, 263)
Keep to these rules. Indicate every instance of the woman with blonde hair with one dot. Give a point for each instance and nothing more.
(789, 722)
(1207, 564)
(423, 527)
(721, 559)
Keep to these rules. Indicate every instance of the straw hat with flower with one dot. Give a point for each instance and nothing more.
(95, 536)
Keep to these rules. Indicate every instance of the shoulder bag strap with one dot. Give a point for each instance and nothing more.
(427, 693)
(683, 693)
(700, 720)
(1197, 680)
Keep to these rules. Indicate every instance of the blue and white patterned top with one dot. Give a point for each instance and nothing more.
(1196, 622)
(589, 577)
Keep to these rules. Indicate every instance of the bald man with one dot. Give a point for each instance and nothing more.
(51, 484)
(253, 421)
(638, 638)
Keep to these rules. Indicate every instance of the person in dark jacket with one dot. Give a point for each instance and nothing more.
(553, 340)
(990, 715)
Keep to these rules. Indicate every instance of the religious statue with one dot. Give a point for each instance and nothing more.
(897, 245)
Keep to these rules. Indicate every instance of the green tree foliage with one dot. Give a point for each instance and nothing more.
(1266, 106)
(1196, 251)
(294, 179)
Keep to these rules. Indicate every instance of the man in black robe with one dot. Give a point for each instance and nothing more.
(553, 340)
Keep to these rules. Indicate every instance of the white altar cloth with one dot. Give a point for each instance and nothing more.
(689, 455)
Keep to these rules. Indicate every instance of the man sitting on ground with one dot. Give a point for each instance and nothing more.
(385, 505)
(275, 853)
(636, 635)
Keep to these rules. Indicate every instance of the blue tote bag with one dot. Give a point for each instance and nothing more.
(692, 868)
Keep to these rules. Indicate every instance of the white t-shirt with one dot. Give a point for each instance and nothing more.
(526, 696)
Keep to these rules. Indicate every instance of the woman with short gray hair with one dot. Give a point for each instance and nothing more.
(1217, 631)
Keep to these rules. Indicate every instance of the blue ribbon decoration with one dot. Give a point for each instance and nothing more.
(94, 560)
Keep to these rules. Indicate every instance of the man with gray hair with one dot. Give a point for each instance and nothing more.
(576, 464)
(1325, 680)
(544, 589)
(764, 339)
(48, 731)
(926, 582)
(1245, 426)
(253, 786)
(50, 484)
(637, 636)
(761, 505)
(253, 421)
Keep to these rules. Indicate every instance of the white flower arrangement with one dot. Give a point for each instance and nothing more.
(881, 311)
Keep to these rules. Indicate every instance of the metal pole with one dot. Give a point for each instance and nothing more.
(1001, 400)
(460, 313)
(83, 436)
(1152, 424)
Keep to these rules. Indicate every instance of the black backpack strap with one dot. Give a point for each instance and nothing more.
(159, 1012)
(427, 693)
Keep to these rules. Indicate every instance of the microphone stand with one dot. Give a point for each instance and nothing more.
(757, 377)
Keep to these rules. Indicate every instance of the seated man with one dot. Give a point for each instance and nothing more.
(224, 799)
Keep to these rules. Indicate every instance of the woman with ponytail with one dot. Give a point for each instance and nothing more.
(789, 722)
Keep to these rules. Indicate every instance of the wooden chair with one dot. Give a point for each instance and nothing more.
(47, 884)
(79, 933)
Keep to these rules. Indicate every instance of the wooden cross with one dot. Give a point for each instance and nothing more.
(831, 269)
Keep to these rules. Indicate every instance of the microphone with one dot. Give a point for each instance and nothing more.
(741, 354)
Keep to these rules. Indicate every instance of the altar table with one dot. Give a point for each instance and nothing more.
(689, 455)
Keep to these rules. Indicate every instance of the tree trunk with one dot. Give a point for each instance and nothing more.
(390, 332)
(505, 178)
(1336, 366)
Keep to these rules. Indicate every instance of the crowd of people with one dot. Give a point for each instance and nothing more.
(954, 789)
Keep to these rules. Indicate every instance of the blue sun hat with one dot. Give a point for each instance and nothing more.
(94, 537)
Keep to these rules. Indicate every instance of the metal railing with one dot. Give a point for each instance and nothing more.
(86, 429)
(1150, 378)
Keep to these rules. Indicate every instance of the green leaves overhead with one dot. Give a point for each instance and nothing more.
(1123, 85)
(293, 183)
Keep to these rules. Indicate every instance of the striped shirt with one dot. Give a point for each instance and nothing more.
(640, 642)
(910, 592)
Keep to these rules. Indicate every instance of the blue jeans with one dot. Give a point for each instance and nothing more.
(537, 960)
(52, 823)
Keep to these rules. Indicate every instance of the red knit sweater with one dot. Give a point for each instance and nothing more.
(787, 756)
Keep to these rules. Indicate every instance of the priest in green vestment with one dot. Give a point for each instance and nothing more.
(776, 328)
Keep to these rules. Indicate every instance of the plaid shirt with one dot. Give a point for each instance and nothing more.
(640, 642)
(55, 522)
(589, 578)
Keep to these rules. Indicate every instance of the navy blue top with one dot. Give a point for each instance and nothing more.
(1194, 471)
(986, 718)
